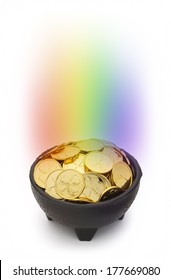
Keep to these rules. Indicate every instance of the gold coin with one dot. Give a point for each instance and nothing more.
(82, 199)
(94, 186)
(111, 192)
(42, 169)
(105, 181)
(125, 157)
(66, 153)
(50, 183)
(127, 184)
(69, 184)
(52, 192)
(89, 145)
(110, 177)
(98, 162)
(114, 154)
(52, 150)
(108, 144)
(122, 174)
(51, 179)
(77, 164)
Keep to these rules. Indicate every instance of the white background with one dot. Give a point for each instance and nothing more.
(143, 237)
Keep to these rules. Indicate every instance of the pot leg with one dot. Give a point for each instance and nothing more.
(121, 218)
(49, 218)
(85, 234)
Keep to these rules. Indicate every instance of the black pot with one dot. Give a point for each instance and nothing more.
(86, 218)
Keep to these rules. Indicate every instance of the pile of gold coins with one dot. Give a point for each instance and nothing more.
(87, 171)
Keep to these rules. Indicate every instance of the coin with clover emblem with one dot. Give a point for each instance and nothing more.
(69, 184)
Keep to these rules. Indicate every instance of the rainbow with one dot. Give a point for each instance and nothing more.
(85, 94)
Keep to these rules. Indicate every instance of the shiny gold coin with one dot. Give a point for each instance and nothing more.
(125, 157)
(98, 162)
(111, 192)
(52, 192)
(110, 177)
(94, 186)
(50, 183)
(114, 154)
(89, 145)
(122, 174)
(82, 200)
(127, 184)
(105, 181)
(48, 153)
(42, 169)
(66, 153)
(69, 184)
(108, 144)
(77, 164)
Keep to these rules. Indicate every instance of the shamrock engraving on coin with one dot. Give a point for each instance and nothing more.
(98, 162)
(69, 184)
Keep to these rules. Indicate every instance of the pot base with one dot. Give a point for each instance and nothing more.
(85, 234)
(49, 218)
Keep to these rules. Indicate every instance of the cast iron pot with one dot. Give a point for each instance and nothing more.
(86, 218)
